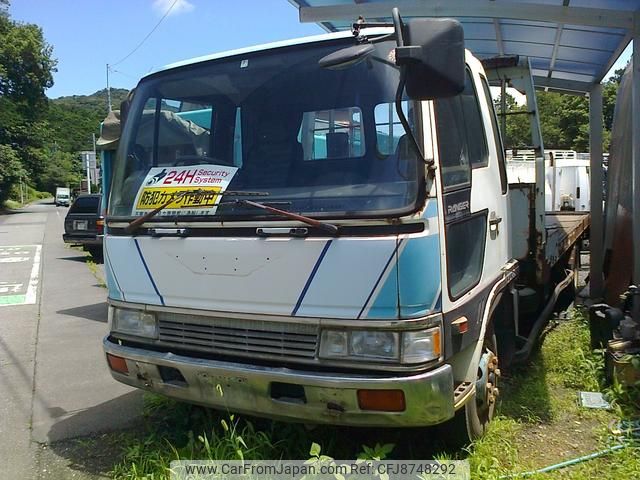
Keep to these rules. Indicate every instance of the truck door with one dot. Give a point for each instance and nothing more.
(474, 194)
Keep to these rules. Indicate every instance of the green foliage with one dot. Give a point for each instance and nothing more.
(40, 139)
(74, 119)
(62, 169)
(10, 171)
(379, 452)
(564, 119)
(26, 65)
(26, 68)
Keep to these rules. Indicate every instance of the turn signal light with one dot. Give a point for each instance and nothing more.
(117, 364)
(381, 400)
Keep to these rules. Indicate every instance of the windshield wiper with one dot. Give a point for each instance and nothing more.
(135, 224)
(327, 227)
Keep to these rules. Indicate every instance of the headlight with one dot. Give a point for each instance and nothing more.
(417, 346)
(134, 322)
(421, 346)
(375, 345)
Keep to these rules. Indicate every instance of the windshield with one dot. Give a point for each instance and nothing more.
(325, 143)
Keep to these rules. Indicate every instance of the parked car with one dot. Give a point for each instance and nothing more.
(84, 224)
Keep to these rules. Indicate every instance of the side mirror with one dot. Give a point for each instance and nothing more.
(432, 51)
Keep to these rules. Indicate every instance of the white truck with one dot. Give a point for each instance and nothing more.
(63, 196)
(323, 230)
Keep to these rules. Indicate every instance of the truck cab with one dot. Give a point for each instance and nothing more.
(292, 233)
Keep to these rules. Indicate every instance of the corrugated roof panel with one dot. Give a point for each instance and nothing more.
(576, 67)
(628, 5)
(529, 33)
(580, 38)
(529, 49)
(479, 30)
(572, 76)
(583, 55)
(489, 47)
(579, 51)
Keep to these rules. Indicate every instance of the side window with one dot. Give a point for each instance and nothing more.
(330, 134)
(474, 128)
(452, 143)
(496, 135)
(465, 252)
(461, 137)
(389, 130)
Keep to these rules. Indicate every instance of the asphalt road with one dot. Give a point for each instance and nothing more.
(54, 382)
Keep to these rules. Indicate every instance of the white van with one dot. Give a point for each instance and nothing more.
(63, 196)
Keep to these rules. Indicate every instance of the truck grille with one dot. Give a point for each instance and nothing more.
(230, 336)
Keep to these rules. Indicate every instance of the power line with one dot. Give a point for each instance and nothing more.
(123, 73)
(147, 36)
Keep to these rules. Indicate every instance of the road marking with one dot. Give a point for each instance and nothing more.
(16, 273)
(10, 287)
(12, 300)
(35, 276)
(14, 259)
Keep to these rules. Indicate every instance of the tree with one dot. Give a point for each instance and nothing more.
(26, 66)
(518, 132)
(26, 71)
(10, 171)
(564, 119)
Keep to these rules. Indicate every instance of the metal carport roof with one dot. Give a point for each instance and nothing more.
(571, 44)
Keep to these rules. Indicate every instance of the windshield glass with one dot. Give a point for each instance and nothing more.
(324, 143)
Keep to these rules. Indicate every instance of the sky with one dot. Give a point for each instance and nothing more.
(89, 34)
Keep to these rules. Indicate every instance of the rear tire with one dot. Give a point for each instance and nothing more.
(472, 421)
(96, 253)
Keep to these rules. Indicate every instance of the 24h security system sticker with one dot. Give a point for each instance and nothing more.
(197, 189)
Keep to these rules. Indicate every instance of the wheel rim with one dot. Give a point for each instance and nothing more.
(487, 385)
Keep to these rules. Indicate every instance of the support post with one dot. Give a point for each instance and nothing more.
(108, 91)
(596, 241)
(635, 168)
(503, 109)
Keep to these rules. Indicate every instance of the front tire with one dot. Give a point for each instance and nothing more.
(472, 420)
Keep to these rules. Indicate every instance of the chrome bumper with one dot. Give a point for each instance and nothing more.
(329, 398)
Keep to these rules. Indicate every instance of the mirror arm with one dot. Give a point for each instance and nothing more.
(397, 23)
(403, 118)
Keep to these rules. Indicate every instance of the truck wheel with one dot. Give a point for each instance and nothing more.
(472, 420)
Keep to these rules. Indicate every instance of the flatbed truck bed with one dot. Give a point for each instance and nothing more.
(563, 231)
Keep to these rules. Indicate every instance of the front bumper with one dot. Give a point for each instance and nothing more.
(329, 398)
(82, 240)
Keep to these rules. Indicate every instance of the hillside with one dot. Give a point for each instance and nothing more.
(73, 119)
(95, 101)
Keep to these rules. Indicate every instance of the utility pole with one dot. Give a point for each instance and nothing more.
(108, 91)
(88, 164)
(95, 158)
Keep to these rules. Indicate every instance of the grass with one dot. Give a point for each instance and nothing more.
(30, 194)
(539, 423)
(95, 271)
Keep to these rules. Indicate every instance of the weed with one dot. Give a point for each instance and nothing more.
(95, 271)
(539, 423)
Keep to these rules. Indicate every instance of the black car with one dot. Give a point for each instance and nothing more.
(84, 224)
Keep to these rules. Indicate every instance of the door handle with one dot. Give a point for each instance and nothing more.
(494, 222)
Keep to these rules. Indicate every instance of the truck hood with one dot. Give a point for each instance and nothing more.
(374, 277)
